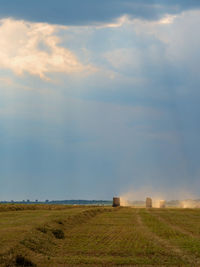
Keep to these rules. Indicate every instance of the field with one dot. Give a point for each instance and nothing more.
(50, 235)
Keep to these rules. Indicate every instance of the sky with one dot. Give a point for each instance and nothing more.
(99, 99)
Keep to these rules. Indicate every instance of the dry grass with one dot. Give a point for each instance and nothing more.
(99, 236)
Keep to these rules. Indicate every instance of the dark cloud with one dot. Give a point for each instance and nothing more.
(77, 12)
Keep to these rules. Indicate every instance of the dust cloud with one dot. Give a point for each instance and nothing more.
(180, 199)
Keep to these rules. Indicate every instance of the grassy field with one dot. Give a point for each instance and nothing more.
(47, 235)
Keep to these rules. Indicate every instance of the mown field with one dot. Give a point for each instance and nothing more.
(47, 235)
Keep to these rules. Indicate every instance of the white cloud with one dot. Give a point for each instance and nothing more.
(179, 36)
(169, 19)
(119, 22)
(34, 48)
(126, 20)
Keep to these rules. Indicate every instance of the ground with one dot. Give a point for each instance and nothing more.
(58, 236)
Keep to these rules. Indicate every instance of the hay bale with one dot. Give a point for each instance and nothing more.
(148, 202)
(162, 204)
(116, 202)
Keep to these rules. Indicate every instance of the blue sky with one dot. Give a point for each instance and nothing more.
(99, 98)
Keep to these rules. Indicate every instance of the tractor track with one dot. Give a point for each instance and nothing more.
(174, 250)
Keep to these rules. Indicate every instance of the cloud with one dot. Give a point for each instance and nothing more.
(79, 12)
(145, 132)
(34, 48)
(178, 35)
(159, 53)
(125, 19)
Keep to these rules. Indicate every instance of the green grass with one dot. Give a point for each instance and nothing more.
(44, 235)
